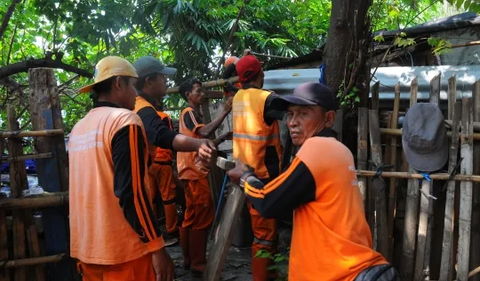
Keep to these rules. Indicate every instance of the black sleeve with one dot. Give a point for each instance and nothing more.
(128, 149)
(274, 109)
(192, 120)
(229, 71)
(157, 132)
(294, 187)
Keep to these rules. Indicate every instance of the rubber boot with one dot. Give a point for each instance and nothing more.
(260, 270)
(198, 251)
(185, 243)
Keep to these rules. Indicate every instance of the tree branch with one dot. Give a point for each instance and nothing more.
(7, 16)
(24, 66)
(11, 43)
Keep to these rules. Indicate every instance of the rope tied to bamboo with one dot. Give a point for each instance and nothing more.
(380, 168)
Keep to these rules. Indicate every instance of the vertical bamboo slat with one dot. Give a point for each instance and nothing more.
(475, 242)
(362, 151)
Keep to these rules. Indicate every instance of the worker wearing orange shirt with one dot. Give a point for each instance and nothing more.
(331, 238)
(256, 142)
(199, 213)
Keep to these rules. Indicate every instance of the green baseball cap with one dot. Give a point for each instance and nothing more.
(148, 65)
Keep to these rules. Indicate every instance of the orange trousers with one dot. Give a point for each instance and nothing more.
(161, 180)
(265, 238)
(200, 212)
(140, 269)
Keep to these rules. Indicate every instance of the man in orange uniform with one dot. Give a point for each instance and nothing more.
(151, 87)
(113, 231)
(331, 238)
(256, 142)
(199, 214)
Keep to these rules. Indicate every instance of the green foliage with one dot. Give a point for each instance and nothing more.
(440, 45)
(280, 262)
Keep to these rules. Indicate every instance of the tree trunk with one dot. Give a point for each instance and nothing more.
(347, 46)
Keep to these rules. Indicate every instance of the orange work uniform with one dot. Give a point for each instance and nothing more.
(161, 171)
(199, 213)
(331, 238)
(112, 224)
(257, 144)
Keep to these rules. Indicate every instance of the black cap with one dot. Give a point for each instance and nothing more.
(311, 93)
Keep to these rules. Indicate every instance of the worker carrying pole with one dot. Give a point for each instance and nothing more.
(113, 231)
(199, 213)
(331, 238)
(152, 87)
(256, 142)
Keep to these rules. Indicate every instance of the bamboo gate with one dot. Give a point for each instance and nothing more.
(428, 227)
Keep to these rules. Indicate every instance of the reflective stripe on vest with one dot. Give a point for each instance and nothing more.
(252, 137)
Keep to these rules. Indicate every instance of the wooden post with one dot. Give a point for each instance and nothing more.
(45, 112)
(371, 218)
(362, 152)
(4, 274)
(392, 203)
(379, 184)
(375, 96)
(475, 246)
(463, 256)
(338, 125)
(452, 95)
(446, 263)
(224, 234)
(425, 225)
(18, 182)
(411, 211)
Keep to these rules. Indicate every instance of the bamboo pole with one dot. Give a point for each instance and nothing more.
(33, 261)
(476, 125)
(208, 84)
(409, 175)
(452, 96)
(22, 134)
(411, 210)
(447, 246)
(53, 199)
(475, 246)
(362, 151)
(463, 255)
(392, 196)
(27, 157)
(398, 132)
(378, 184)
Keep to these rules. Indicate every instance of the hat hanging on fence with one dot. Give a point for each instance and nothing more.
(424, 137)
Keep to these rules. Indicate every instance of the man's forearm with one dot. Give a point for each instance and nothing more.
(183, 143)
(207, 130)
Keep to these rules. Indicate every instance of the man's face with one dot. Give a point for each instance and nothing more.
(305, 121)
(158, 86)
(126, 92)
(197, 95)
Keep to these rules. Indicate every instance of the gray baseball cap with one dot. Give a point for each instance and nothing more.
(148, 65)
(424, 137)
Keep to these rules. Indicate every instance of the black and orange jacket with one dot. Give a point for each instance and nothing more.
(111, 220)
(331, 238)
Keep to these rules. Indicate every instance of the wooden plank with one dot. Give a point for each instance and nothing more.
(463, 255)
(33, 244)
(224, 234)
(452, 95)
(53, 199)
(392, 203)
(379, 184)
(375, 96)
(4, 274)
(338, 125)
(362, 151)
(446, 262)
(22, 134)
(426, 220)
(411, 211)
(18, 182)
(475, 242)
(26, 157)
(45, 112)
(36, 261)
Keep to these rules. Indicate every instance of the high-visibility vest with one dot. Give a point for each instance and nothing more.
(251, 135)
(155, 152)
(163, 155)
(99, 232)
(188, 165)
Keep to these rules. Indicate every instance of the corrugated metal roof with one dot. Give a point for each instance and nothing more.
(285, 81)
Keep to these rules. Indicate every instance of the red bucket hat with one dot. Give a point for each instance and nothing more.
(247, 67)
